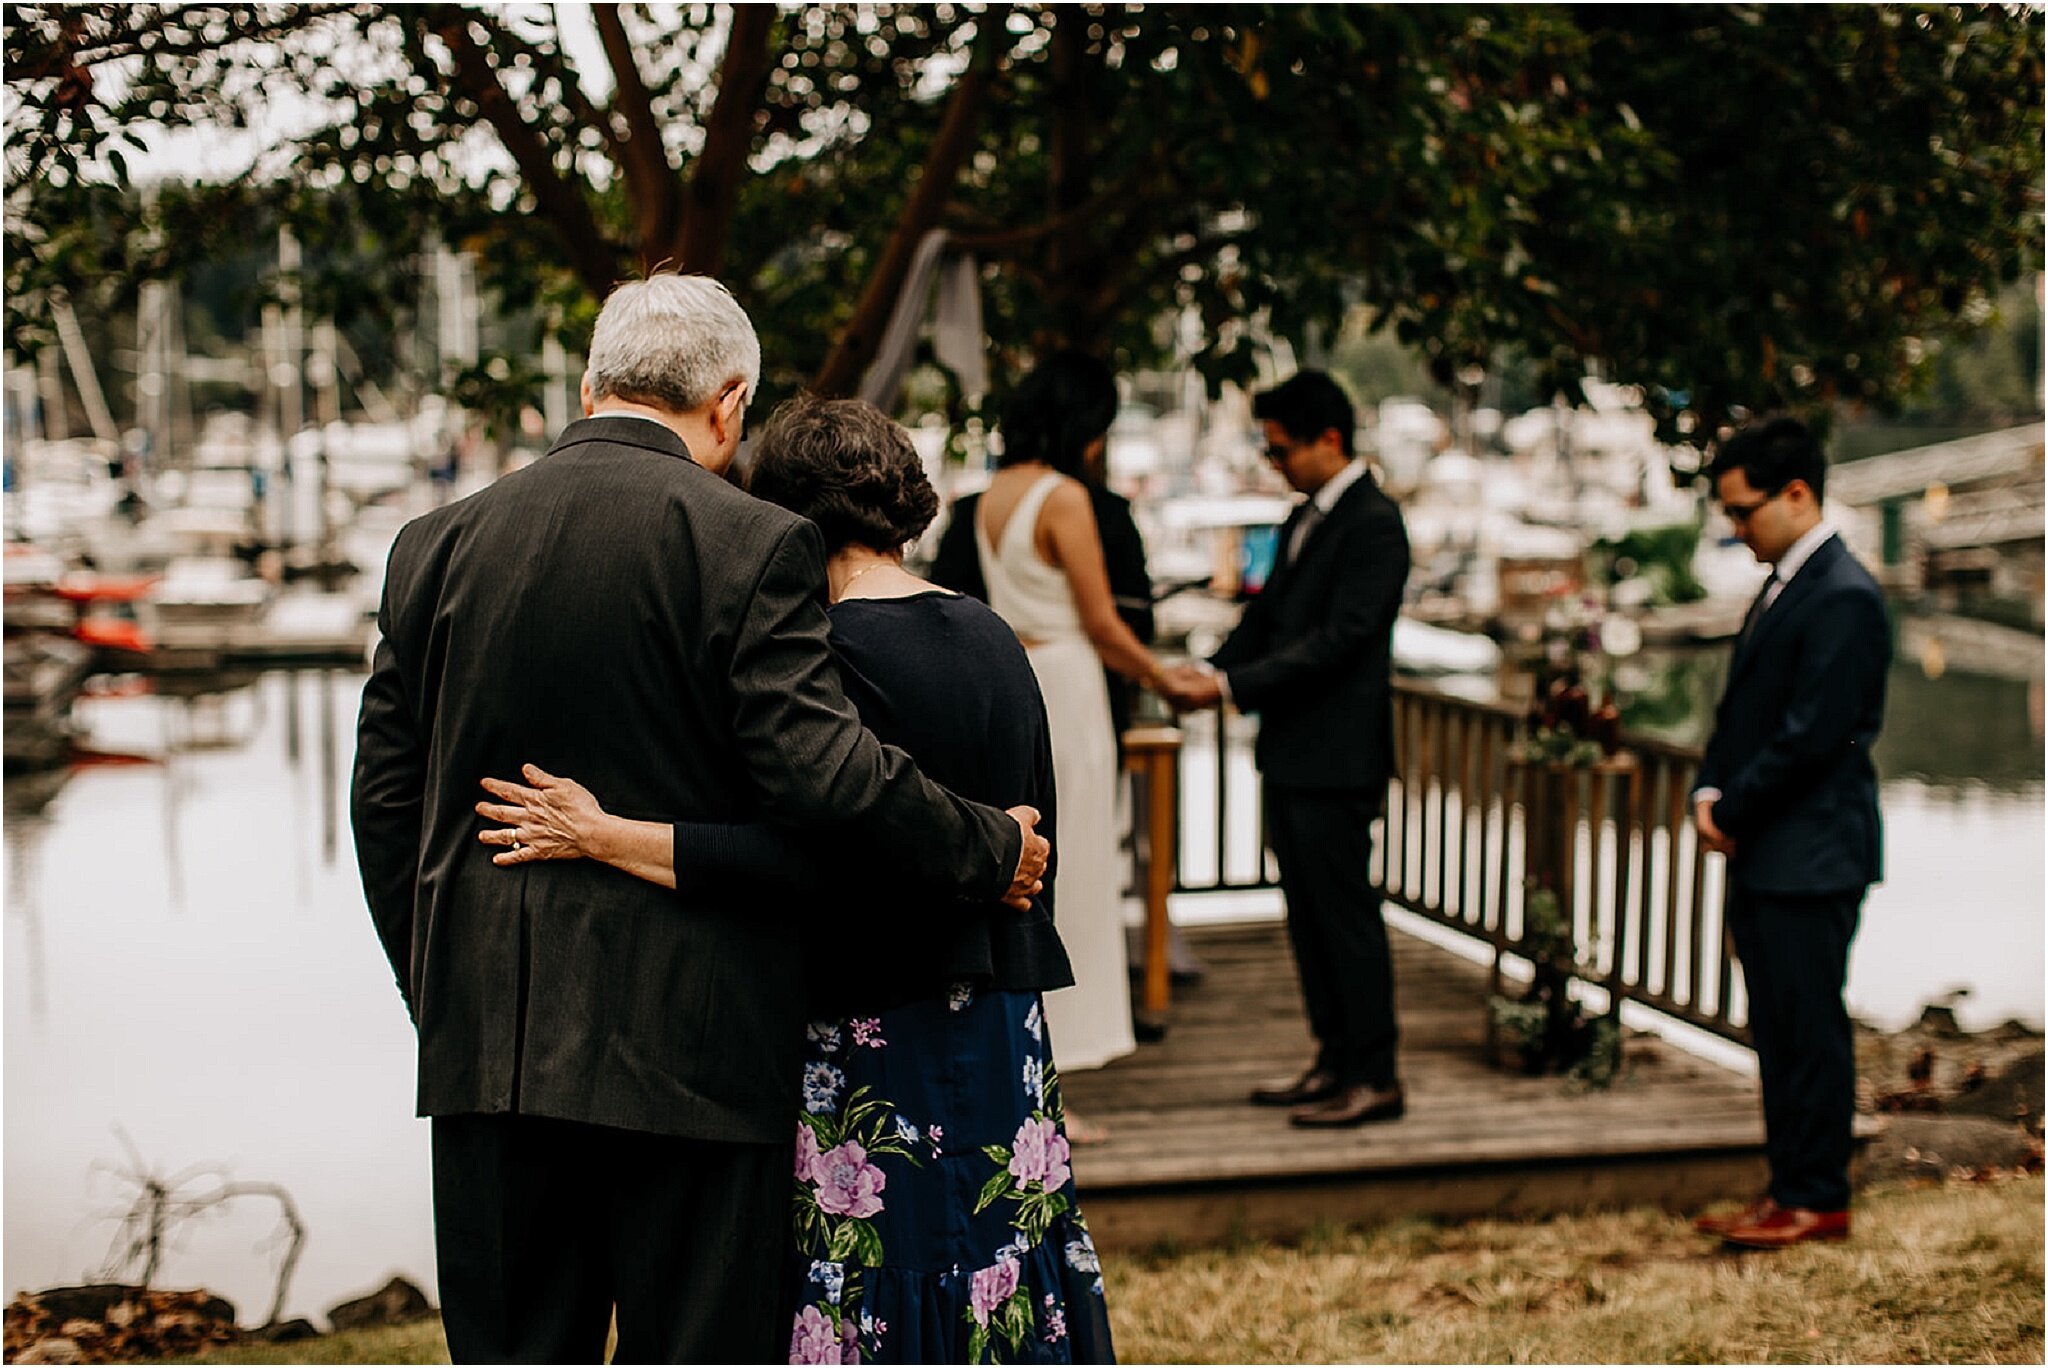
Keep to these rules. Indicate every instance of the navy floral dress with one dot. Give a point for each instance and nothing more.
(935, 1214)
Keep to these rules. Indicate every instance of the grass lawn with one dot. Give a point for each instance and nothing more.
(1934, 1274)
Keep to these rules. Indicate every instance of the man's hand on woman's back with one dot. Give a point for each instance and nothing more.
(1030, 863)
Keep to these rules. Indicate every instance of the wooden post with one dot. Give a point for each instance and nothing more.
(1153, 753)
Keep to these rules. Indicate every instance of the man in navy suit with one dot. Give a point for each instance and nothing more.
(1788, 793)
(1313, 657)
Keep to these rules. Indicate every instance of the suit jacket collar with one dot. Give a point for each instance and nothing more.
(624, 430)
(1352, 497)
(1810, 573)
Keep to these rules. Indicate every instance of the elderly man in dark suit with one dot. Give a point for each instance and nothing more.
(1788, 793)
(1313, 657)
(613, 1073)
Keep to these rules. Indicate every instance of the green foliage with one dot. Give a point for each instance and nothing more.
(1557, 746)
(1546, 1029)
(1661, 555)
(1736, 207)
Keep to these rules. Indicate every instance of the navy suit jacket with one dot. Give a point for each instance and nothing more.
(1790, 751)
(1313, 653)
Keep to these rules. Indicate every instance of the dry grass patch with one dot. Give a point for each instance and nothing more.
(1934, 1274)
(1949, 1274)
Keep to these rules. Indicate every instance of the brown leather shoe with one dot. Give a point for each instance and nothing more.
(1726, 1221)
(1314, 1085)
(1786, 1226)
(1353, 1106)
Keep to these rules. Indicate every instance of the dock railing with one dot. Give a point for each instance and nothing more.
(1465, 827)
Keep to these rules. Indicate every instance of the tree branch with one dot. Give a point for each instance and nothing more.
(714, 186)
(146, 35)
(650, 179)
(856, 344)
(561, 202)
(1004, 241)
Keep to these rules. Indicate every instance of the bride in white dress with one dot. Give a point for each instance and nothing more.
(1042, 559)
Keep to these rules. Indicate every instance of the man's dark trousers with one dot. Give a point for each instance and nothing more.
(1323, 841)
(1795, 963)
(537, 1221)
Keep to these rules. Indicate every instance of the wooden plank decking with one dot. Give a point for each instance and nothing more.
(1190, 1162)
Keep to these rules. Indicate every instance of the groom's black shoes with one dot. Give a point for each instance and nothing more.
(1315, 1085)
(1354, 1106)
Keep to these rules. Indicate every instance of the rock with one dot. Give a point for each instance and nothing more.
(118, 1304)
(54, 1350)
(286, 1332)
(395, 1303)
(1939, 1020)
(1915, 1146)
(2013, 1092)
(90, 1302)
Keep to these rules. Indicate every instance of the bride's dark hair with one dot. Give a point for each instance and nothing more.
(1056, 411)
(844, 465)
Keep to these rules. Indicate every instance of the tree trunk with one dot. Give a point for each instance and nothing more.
(714, 188)
(856, 345)
(651, 182)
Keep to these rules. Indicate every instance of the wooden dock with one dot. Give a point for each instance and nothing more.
(1190, 1162)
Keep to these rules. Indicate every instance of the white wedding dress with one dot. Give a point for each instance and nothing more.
(1091, 1021)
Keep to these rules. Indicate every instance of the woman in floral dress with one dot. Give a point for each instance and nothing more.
(935, 1217)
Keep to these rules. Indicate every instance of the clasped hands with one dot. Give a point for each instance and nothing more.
(1188, 686)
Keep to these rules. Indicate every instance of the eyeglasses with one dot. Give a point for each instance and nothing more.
(1743, 512)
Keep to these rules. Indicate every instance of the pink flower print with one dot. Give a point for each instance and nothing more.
(1055, 1321)
(1040, 1155)
(814, 1339)
(848, 1185)
(806, 1152)
(867, 1031)
(990, 1288)
(937, 1136)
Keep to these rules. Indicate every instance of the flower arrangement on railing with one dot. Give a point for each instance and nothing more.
(1546, 1029)
(1565, 728)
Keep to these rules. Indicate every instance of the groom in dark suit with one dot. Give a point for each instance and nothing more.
(1313, 657)
(612, 1071)
(1788, 793)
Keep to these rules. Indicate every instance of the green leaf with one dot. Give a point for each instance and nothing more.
(1013, 1317)
(977, 1344)
(867, 1244)
(997, 1154)
(991, 1190)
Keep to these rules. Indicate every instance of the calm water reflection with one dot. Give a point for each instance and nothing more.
(187, 956)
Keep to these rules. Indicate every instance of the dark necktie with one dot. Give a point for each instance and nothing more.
(1304, 527)
(1756, 610)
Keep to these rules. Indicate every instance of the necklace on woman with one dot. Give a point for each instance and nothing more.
(848, 583)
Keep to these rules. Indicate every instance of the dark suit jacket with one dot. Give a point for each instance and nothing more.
(1791, 745)
(957, 566)
(617, 614)
(1313, 653)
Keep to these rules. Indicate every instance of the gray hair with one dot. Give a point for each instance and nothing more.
(673, 341)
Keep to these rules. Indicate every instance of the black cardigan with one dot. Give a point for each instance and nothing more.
(945, 679)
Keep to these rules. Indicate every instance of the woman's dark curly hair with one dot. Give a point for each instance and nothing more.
(844, 465)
